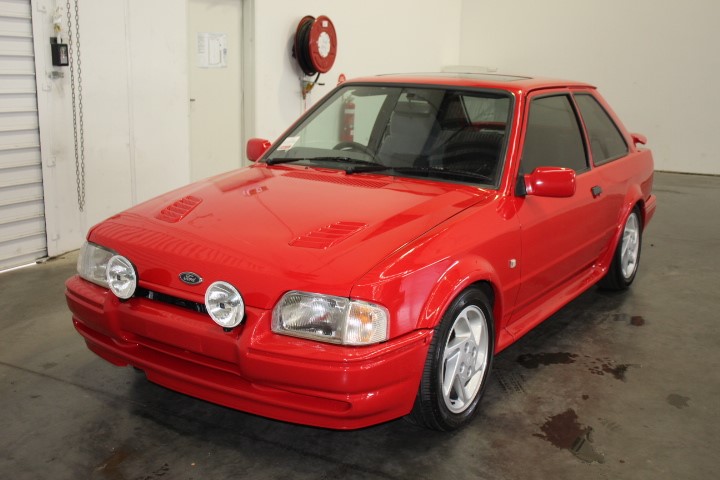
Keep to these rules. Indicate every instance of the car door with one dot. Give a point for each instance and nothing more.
(561, 237)
(608, 154)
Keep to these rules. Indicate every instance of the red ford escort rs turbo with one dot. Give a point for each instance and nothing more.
(370, 262)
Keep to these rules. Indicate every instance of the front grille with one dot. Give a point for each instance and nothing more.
(169, 299)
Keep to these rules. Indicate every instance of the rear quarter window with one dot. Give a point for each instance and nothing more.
(606, 141)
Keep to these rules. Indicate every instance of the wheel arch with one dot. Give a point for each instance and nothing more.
(633, 199)
(471, 273)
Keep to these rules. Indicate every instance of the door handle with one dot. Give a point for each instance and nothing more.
(596, 191)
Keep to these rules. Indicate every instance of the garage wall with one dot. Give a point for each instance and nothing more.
(135, 91)
(655, 62)
(22, 208)
(374, 36)
(655, 65)
(134, 72)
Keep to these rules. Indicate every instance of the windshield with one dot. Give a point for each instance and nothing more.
(453, 135)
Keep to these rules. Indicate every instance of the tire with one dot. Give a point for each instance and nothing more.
(458, 364)
(626, 259)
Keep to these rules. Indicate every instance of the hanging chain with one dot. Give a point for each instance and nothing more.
(77, 105)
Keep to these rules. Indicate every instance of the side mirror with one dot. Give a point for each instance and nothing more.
(256, 147)
(550, 182)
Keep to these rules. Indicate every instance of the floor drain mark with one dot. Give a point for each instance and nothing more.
(564, 431)
(583, 449)
(510, 382)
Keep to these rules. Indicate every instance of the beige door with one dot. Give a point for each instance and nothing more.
(215, 86)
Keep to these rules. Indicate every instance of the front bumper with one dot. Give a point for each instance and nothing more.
(250, 368)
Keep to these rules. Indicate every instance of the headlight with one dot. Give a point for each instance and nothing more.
(330, 319)
(224, 304)
(121, 277)
(92, 263)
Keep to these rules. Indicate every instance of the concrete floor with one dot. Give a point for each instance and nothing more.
(613, 386)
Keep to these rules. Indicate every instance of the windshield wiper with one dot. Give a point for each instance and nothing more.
(275, 161)
(367, 166)
(356, 161)
(426, 171)
(360, 165)
(443, 172)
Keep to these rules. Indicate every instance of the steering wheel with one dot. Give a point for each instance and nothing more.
(354, 146)
(470, 157)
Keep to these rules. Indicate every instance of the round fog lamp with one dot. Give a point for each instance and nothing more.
(224, 304)
(121, 277)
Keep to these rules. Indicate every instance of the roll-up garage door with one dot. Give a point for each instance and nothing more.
(22, 211)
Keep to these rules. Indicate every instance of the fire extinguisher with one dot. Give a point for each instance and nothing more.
(347, 125)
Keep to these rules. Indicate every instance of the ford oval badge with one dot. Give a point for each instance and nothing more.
(191, 278)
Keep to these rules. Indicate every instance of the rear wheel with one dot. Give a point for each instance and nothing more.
(458, 364)
(626, 260)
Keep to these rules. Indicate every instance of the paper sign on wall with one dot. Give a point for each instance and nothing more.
(211, 50)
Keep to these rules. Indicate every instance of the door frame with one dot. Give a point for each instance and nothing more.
(247, 76)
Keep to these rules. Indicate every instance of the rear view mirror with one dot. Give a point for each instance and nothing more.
(256, 147)
(550, 182)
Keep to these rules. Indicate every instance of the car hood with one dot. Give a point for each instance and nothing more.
(268, 230)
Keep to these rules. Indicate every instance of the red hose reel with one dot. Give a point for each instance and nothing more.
(315, 47)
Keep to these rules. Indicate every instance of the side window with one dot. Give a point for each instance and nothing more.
(552, 137)
(606, 142)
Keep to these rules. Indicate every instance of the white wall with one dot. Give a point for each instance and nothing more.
(374, 37)
(135, 90)
(657, 63)
(134, 74)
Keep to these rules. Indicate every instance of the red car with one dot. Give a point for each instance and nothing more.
(374, 259)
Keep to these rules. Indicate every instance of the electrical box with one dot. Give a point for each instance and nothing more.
(60, 53)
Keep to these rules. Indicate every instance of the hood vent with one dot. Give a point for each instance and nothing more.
(177, 211)
(328, 236)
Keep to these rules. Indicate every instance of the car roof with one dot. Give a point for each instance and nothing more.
(477, 80)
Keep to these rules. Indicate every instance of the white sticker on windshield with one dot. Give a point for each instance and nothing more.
(288, 143)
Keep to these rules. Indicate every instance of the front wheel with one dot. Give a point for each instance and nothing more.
(457, 365)
(626, 260)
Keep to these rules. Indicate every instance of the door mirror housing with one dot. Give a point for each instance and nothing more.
(550, 182)
(256, 147)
